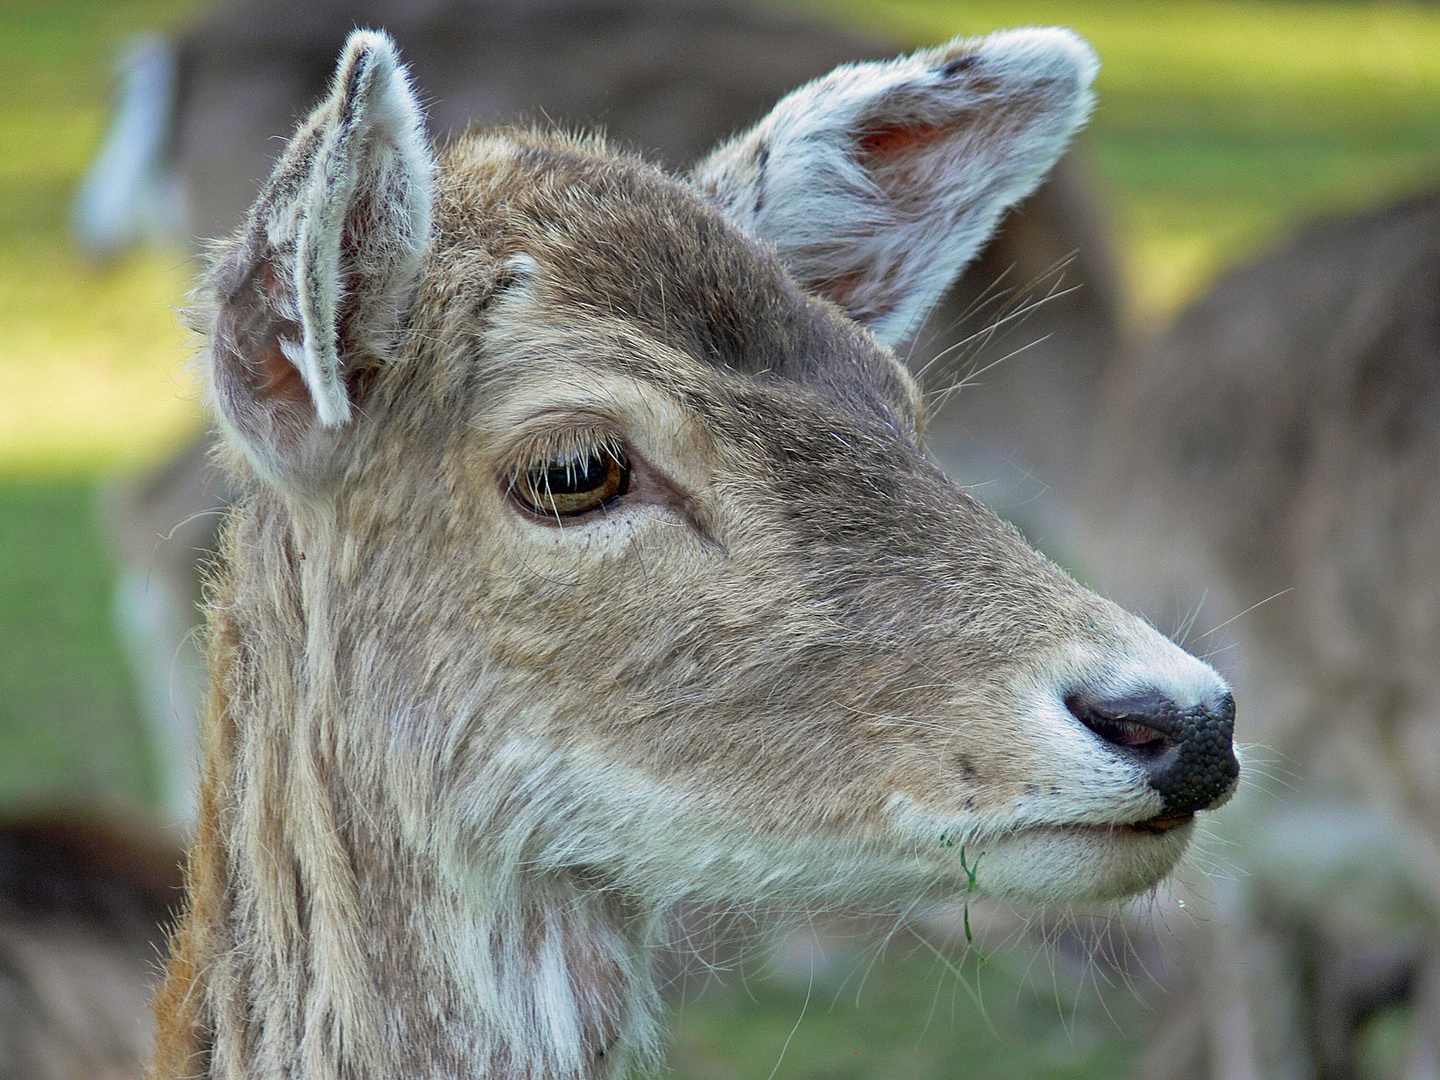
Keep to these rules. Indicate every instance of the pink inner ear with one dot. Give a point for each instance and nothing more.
(840, 289)
(280, 380)
(866, 306)
(894, 139)
(272, 376)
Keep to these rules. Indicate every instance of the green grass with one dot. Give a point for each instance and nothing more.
(910, 1016)
(69, 728)
(93, 358)
(92, 363)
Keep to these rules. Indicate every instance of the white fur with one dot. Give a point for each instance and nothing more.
(376, 145)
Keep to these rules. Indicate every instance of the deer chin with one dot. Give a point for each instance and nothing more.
(1050, 862)
(1078, 863)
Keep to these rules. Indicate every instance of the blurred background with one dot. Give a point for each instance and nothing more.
(1221, 129)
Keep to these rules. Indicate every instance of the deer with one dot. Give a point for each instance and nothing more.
(589, 562)
(83, 906)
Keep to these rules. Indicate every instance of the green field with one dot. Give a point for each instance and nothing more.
(1220, 125)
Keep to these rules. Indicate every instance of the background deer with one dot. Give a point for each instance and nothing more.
(82, 912)
(589, 562)
(1272, 466)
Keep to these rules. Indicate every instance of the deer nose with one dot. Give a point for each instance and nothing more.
(1188, 753)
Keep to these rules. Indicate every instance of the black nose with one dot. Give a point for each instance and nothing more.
(1189, 753)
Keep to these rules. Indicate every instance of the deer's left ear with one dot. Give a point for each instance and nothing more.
(306, 296)
(880, 181)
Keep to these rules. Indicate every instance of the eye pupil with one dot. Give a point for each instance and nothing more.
(574, 477)
(574, 484)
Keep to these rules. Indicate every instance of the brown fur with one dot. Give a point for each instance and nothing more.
(671, 77)
(180, 1045)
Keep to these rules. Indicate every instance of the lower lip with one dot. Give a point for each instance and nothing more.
(1151, 828)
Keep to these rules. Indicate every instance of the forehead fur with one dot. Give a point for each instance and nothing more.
(615, 236)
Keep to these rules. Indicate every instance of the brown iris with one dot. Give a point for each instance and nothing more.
(573, 484)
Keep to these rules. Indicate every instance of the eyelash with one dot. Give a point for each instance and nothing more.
(571, 476)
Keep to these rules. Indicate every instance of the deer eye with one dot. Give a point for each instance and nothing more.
(572, 484)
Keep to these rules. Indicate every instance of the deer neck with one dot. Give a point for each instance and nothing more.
(364, 929)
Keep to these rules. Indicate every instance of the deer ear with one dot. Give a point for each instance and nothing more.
(878, 182)
(305, 299)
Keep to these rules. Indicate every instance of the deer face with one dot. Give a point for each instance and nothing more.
(611, 502)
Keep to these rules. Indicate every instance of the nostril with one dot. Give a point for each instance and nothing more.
(1188, 753)
(1134, 723)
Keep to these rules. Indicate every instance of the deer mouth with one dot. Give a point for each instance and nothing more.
(1079, 862)
(1162, 823)
(1155, 826)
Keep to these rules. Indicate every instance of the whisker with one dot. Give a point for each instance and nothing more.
(1247, 611)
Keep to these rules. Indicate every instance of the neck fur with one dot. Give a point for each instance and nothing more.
(346, 922)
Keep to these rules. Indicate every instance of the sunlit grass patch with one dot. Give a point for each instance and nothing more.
(92, 359)
(101, 379)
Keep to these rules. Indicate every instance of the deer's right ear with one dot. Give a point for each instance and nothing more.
(305, 299)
